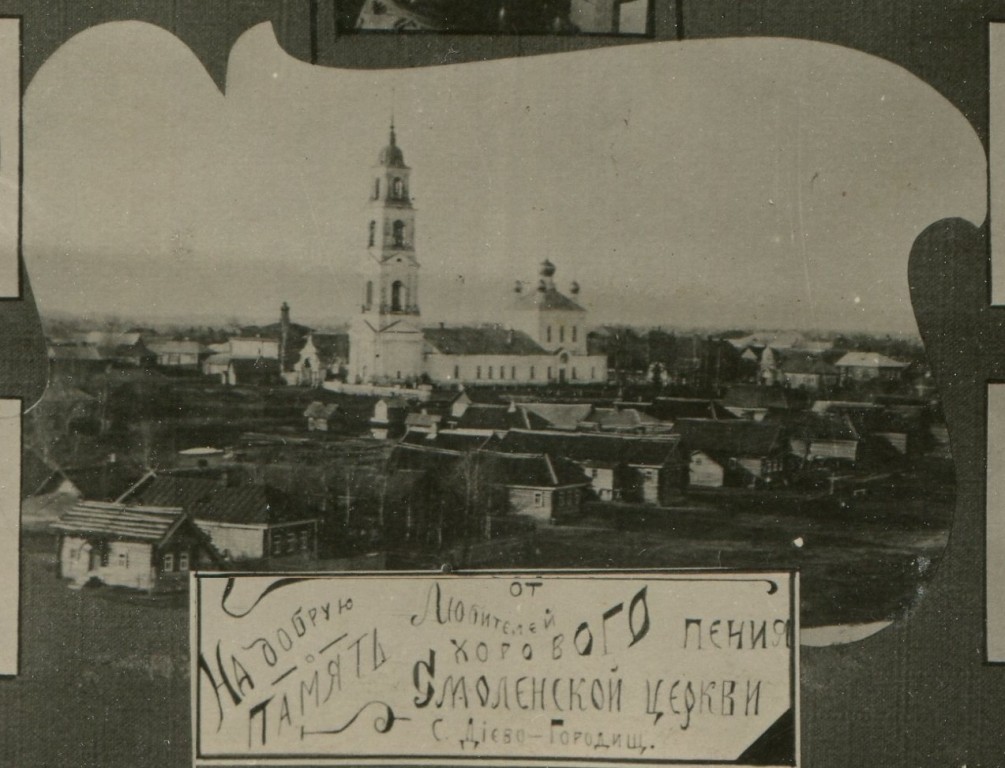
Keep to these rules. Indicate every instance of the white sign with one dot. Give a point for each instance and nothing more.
(568, 668)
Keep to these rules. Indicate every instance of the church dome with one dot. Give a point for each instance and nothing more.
(391, 156)
(547, 269)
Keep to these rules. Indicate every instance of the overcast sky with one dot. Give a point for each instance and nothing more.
(751, 183)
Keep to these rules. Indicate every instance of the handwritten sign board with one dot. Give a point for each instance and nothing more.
(556, 668)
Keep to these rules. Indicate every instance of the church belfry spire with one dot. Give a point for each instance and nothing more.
(391, 235)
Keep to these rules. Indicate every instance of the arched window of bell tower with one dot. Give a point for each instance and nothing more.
(399, 233)
(397, 188)
(397, 296)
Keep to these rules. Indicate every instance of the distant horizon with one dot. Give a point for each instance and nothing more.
(166, 323)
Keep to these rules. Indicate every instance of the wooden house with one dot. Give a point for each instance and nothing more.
(749, 453)
(147, 548)
(244, 522)
(626, 467)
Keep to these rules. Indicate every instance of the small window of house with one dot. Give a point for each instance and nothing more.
(183, 561)
(123, 559)
(549, 373)
(457, 371)
(168, 562)
(573, 333)
(291, 541)
(305, 540)
(478, 372)
(561, 333)
(538, 499)
(593, 373)
(512, 372)
(532, 372)
(490, 371)
(502, 371)
(277, 544)
(574, 372)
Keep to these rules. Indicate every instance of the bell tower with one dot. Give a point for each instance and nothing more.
(386, 339)
(393, 287)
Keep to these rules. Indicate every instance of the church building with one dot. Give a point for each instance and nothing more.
(544, 340)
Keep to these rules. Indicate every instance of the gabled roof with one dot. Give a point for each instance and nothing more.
(735, 438)
(105, 481)
(480, 340)
(209, 499)
(483, 416)
(560, 415)
(868, 360)
(147, 524)
(532, 470)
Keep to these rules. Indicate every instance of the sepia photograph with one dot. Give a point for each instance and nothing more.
(641, 308)
(507, 17)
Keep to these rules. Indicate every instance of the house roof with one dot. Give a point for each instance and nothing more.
(447, 439)
(734, 438)
(209, 499)
(37, 473)
(319, 410)
(532, 470)
(560, 415)
(483, 416)
(59, 391)
(105, 481)
(747, 396)
(868, 360)
(480, 340)
(74, 352)
(818, 426)
(170, 346)
(421, 419)
(548, 299)
(591, 448)
(112, 339)
(806, 363)
(147, 524)
(673, 408)
(621, 419)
